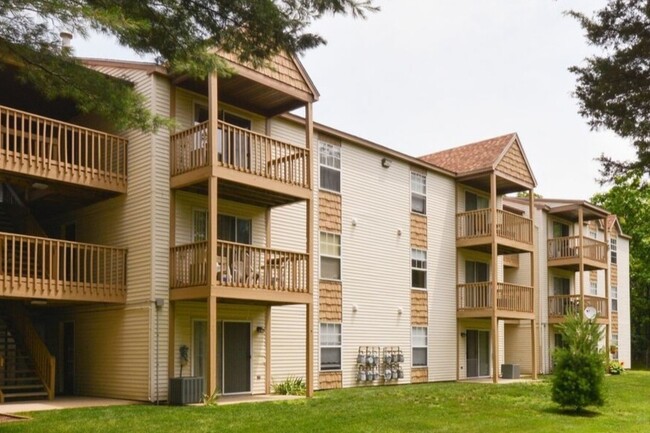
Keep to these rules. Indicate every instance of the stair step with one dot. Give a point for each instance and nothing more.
(3, 381)
(6, 388)
(21, 395)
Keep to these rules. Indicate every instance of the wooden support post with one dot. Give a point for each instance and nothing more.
(213, 123)
(171, 356)
(581, 258)
(212, 344)
(533, 323)
(494, 277)
(267, 341)
(608, 328)
(212, 231)
(309, 343)
(458, 343)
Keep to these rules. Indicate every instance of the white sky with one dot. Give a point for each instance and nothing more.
(425, 75)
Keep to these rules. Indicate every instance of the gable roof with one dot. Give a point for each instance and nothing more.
(502, 154)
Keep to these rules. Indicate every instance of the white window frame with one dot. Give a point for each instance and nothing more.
(419, 264)
(593, 288)
(419, 190)
(331, 337)
(614, 296)
(613, 251)
(329, 160)
(419, 341)
(322, 254)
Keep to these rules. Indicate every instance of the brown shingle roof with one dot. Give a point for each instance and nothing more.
(482, 155)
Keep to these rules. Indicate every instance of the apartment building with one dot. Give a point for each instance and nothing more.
(248, 245)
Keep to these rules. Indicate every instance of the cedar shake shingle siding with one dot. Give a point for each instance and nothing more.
(329, 212)
(419, 375)
(514, 165)
(419, 308)
(330, 301)
(419, 231)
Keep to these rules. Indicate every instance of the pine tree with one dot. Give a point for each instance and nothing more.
(181, 34)
(579, 366)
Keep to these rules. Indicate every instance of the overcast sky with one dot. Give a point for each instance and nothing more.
(425, 75)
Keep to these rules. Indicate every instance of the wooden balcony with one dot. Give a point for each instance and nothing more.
(513, 301)
(248, 157)
(243, 272)
(48, 149)
(561, 305)
(514, 233)
(565, 252)
(51, 269)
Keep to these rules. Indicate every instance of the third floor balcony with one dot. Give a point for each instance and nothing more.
(514, 233)
(243, 156)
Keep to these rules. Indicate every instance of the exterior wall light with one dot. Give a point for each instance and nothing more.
(385, 162)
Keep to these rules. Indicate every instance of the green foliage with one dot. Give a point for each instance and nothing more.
(579, 365)
(211, 400)
(291, 386)
(615, 367)
(181, 35)
(613, 88)
(629, 199)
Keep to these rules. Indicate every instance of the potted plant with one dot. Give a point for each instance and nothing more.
(185, 390)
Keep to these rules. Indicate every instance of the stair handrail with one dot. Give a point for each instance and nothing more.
(44, 361)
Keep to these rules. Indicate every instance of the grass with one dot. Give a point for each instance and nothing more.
(437, 407)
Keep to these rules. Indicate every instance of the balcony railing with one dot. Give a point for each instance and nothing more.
(477, 224)
(568, 247)
(43, 268)
(38, 146)
(241, 150)
(239, 265)
(510, 297)
(561, 305)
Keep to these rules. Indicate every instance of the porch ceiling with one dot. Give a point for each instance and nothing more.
(247, 194)
(247, 94)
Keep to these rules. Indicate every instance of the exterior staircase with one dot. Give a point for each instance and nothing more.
(22, 376)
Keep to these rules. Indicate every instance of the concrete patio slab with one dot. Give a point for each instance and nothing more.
(61, 403)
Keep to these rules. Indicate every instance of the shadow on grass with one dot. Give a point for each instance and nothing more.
(582, 413)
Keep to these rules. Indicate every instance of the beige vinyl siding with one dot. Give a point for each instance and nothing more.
(112, 352)
(518, 345)
(289, 227)
(288, 342)
(290, 132)
(624, 332)
(441, 264)
(186, 312)
(376, 268)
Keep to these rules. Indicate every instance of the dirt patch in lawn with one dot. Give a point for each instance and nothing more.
(10, 418)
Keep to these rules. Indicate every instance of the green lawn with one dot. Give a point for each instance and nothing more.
(439, 407)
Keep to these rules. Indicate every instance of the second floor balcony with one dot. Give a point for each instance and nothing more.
(512, 300)
(243, 271)
(247, 156)
(48, 269)
(514, 233)
(47, 149)
(569, 251)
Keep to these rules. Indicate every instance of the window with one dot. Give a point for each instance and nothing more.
(560, 230)
(614, 346)
(330, 346)
(234, 229)
(419, 346)
(559, 341)
(614, 296)
(476, 272)
(593, 234)
(612, 248)
(561, 286)
(475, 202)
(418, 193)
(330, 166)
(593, 288)
(418, 269)
(330, 256)
(199, 225)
